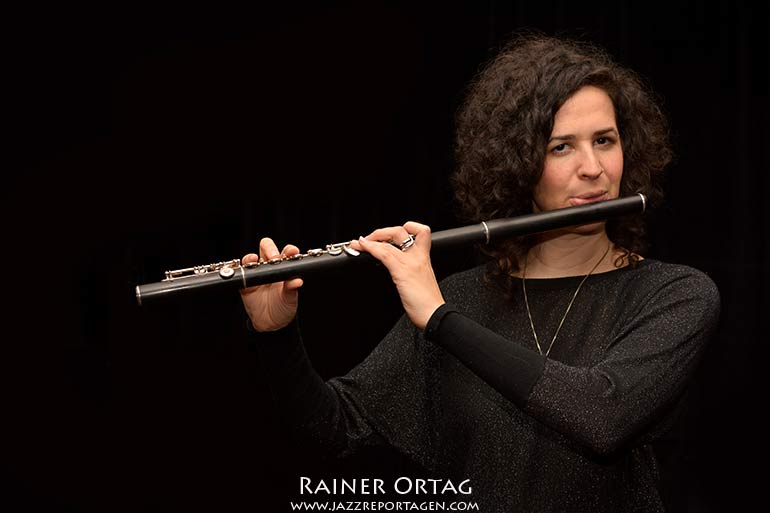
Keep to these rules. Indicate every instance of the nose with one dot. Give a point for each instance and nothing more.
(590, 165)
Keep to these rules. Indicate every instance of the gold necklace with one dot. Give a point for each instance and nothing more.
(526, 301)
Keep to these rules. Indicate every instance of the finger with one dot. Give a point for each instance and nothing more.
(421, 233)
(251, 257)
(402, 240)
(294, 284)
(399, 238)
(391, 233)
(267, 249)
(380, 250)
(290, 250)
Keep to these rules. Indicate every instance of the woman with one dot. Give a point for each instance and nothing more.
(544, 376)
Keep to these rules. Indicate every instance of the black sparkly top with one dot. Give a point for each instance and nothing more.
(471, 397)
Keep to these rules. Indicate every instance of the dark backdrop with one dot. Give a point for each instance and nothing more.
(149, 138)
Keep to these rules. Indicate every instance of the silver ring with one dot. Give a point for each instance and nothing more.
(407, 243)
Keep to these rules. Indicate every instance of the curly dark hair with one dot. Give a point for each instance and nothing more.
(504, 124)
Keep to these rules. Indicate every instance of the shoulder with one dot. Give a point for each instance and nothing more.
(656, 274)
(676, 285)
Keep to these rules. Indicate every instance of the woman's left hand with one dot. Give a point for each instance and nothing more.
(410, 268)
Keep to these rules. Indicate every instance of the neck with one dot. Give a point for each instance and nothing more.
(569, 254)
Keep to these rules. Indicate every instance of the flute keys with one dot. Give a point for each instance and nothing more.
(200, 270)
(227, 269)
(340, 247)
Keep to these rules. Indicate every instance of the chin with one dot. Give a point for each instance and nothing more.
(589, 229)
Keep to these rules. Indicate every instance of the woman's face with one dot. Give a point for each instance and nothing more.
(584, 159)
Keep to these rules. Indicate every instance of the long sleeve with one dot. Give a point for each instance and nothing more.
(308, 407)
(509, 368)
(618, 398)
(384, 399)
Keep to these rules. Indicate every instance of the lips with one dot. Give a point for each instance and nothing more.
(588, 197)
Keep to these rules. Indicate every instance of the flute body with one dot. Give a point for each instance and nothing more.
(231, 275)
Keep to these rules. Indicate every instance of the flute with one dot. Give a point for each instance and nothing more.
(232, 275)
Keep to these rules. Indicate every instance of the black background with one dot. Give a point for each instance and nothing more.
(150, 138)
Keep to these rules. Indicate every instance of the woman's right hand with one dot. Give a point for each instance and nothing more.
(274, 305)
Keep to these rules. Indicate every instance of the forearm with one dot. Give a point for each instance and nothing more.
(307, 405)
(509, 368)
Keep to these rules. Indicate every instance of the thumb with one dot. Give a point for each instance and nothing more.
(292, 285)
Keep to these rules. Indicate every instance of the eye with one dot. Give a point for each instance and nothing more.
(561, 148)
(604, 141)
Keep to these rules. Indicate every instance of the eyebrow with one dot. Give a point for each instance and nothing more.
(569, 137)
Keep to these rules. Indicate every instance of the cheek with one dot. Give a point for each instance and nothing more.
(617, 168)
(612, 163)
(551, 176)
(551, 182)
